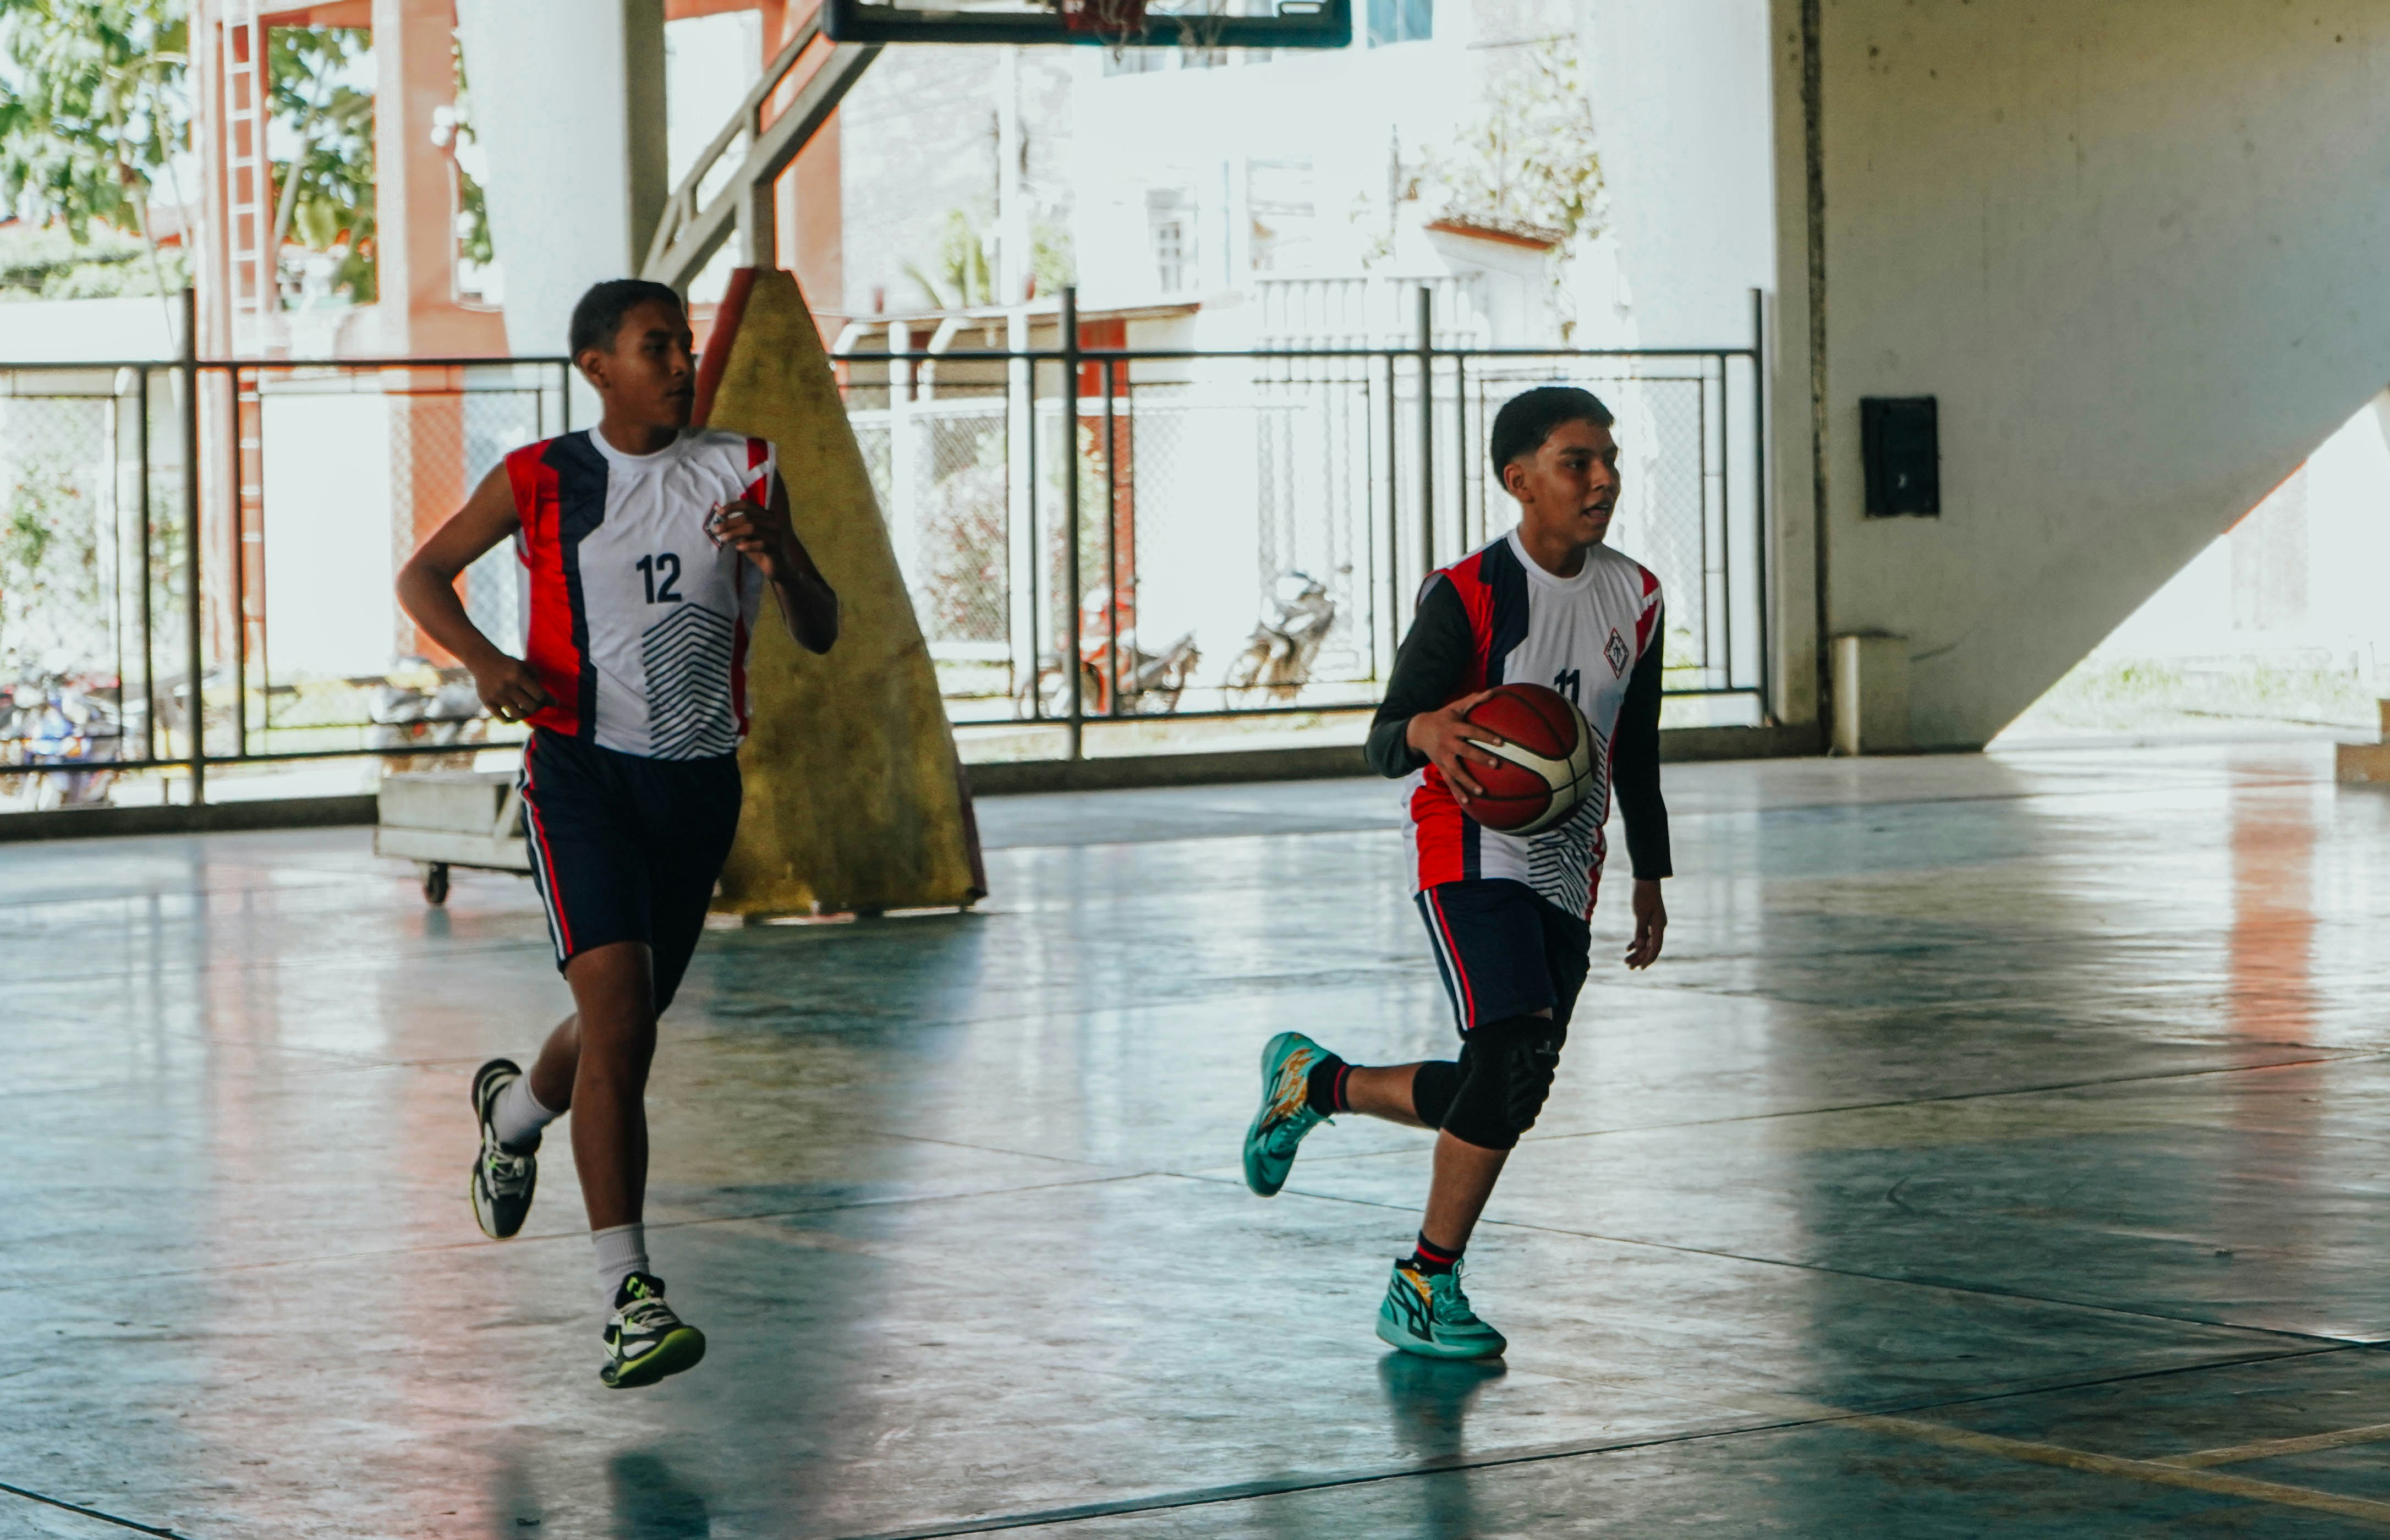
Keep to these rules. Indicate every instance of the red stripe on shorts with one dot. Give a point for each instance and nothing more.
(547, 858)
(1452, 952)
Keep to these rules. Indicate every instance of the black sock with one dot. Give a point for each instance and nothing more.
(1431, 1258)
(1326, 1092)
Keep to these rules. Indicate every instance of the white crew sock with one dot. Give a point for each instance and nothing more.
(621, 1252)
(517, 1115)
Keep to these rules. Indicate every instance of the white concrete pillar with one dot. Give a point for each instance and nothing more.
(569, 101)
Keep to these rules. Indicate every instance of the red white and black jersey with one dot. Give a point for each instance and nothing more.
(1494, 618)
(640, 621)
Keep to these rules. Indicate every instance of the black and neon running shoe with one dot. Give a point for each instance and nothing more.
(646, 1340)
(1427, 1314)
(1286, 1115)
(503, 1175)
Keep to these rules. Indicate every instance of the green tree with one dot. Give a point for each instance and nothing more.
(92, 106)
(473, 207)
(53, 597)
(1528, 163)
(94, 98)
(958, 277)
(47, 262)
(326, 199)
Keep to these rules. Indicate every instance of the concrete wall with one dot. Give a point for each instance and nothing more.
(2137, 252)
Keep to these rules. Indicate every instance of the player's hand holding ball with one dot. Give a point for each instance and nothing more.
(1450, 743)
(1528, 753)
(509, 688)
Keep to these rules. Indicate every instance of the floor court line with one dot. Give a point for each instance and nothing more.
(2265, 1449)
(1781, 1414)
(1948, 1286)
(133, 1525)
(2157, 1472)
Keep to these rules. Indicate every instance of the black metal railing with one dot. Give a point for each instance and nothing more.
(196, 556)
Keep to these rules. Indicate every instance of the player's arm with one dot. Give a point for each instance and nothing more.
(767, 536)
(427, 590)
(1420, 722)
(1635, 777)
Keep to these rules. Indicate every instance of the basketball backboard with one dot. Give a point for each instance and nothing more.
(1164, 24)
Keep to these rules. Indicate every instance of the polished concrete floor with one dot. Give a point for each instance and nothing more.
(1998, 1134)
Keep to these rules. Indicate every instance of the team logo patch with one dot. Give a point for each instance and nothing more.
(1615, 650)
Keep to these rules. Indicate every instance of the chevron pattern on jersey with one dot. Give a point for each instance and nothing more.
(687, 656)
(1562, 860)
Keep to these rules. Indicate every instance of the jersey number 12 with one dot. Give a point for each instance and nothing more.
(661, 571)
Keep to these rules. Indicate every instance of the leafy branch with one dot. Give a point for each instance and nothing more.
(93, 108)
(1528, 163)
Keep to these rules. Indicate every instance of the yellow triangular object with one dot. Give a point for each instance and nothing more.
(854, 795)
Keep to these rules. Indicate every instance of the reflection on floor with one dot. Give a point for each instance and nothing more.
(1996, 1133)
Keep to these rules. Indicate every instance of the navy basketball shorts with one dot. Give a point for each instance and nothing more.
(1505, 951)
(625, 848)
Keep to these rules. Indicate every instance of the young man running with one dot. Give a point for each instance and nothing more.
(1507, 917)
(649, 549)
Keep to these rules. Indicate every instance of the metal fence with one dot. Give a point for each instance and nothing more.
(1201, 533)
(1237, 532)
(313, 483)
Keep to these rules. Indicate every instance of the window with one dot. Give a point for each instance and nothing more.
(1277, 194)
(1401, 22)
(1170, 218)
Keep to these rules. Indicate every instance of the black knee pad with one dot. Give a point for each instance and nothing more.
(1506, 1071)
(1434, 1085)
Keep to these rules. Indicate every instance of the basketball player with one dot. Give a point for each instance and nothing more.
(1507, 917)
(649, 547)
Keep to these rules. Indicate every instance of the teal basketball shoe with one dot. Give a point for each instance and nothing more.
(1286, 1115)
(1427, 1314)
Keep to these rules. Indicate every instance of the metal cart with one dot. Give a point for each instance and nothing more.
(445, 818)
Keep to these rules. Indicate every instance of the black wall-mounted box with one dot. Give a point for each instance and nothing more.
(1900, 440)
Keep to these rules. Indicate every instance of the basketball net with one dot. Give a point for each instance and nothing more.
(1123, 24)
(1120, 23)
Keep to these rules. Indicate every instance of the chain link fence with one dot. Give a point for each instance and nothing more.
(93, 580)
(315, 481)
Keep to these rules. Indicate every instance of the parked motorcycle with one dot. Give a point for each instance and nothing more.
(1151, 683)
(448, 713)
(1278, 658)
(68, 723)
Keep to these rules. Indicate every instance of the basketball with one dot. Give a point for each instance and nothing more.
(1547, 756)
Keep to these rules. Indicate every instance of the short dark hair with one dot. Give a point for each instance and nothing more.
(600, 315)
(1529, 418)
